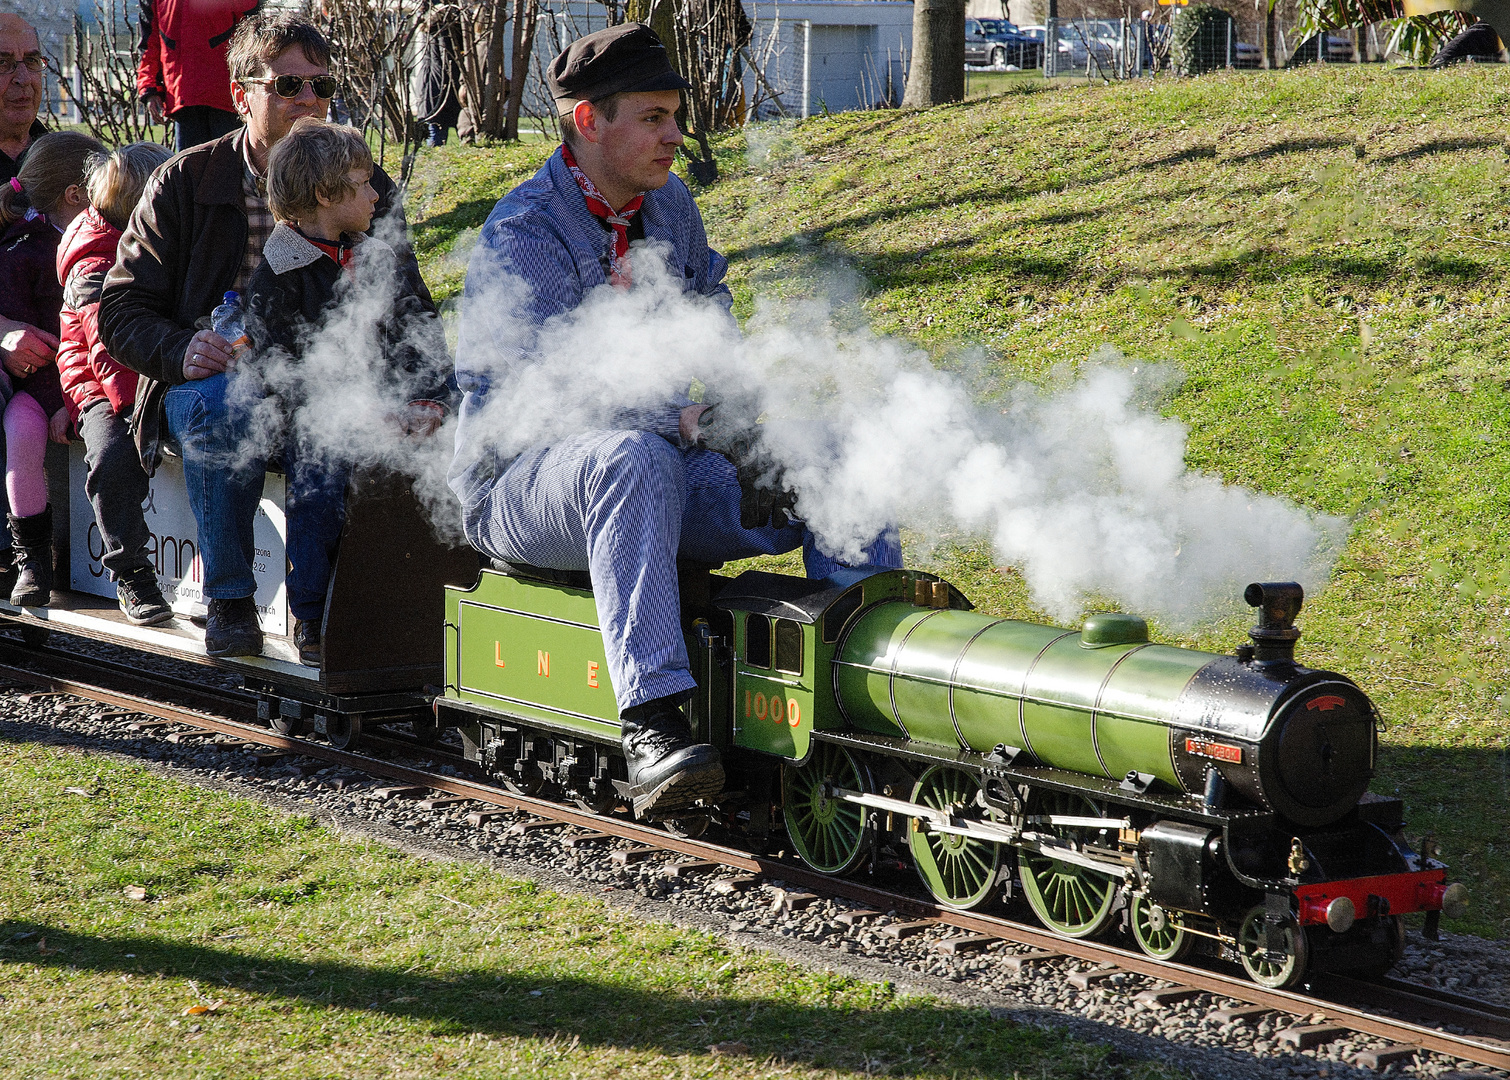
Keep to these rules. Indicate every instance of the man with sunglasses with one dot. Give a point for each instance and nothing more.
(197, 233)
(23, 347)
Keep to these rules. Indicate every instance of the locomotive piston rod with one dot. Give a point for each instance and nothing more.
(939, 821)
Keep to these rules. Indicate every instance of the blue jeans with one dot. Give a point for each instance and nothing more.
(624, 506)
(224, 477)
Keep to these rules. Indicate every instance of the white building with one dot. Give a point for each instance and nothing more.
(834, 55)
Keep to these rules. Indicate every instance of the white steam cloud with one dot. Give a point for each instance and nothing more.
(1083, 489)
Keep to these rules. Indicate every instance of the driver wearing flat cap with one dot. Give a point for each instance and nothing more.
(623, 502)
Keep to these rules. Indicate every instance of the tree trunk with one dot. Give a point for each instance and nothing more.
(1270, 62)
(937, 74)
(526, 16)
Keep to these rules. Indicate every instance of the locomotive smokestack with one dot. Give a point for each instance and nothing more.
(1278, 604)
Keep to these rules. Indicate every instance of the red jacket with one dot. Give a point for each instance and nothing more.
(85, 255)
(183, 46)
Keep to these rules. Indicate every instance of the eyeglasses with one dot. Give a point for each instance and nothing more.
(291, 86)
(34, 64)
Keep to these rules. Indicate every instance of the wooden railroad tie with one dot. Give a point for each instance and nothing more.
(151, 725)
(1310, 1036)
(181, 737)
(1385, 1057)
(1084, 980)
(577, 840)
(689, 869)
(436, 802)
(402, 791)
(1016, 963)
(901, 930)
(734, 885)
(855, 918)
(269, 757)
(479, 818)
(1242, 1014)
(1168, 995)
(523, 827)
(792, 901)
(966, 943)
(625, 856)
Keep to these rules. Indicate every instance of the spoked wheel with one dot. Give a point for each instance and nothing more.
(1158, 932)
(827, 834)
(1277, 974)
(1075, 901)
(343, 731)
(960, 871)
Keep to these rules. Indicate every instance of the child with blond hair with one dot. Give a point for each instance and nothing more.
(101, 394)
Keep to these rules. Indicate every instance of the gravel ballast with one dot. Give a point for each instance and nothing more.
(760, 913)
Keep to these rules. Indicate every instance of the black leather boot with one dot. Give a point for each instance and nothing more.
(667, 770)
(31, 548)
(231, 628)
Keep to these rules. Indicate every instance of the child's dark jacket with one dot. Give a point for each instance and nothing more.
(295, 290)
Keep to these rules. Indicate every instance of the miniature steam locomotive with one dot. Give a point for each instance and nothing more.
(1198, 800)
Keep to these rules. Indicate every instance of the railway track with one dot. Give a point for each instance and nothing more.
(1337, 1005)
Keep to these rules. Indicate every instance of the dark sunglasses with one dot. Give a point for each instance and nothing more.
(291, 86)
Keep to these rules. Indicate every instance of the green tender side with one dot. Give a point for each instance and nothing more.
(532, 649)
(958, 678)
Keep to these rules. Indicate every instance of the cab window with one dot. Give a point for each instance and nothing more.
(788, 646)
(758, 641)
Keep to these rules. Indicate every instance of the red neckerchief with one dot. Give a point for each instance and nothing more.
(340, 251)
(619, 273)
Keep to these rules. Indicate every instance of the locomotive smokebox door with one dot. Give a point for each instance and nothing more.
(1179, 864)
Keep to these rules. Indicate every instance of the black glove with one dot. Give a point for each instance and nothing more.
(763, 495)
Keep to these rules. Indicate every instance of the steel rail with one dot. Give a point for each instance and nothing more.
(1479, 1050)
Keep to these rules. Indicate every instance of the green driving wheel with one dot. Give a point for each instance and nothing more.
(1159, 932)
(960, 871)
(1071, 900)
(1276, 972)
(829, 835)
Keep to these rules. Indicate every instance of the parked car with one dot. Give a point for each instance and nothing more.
(997, 43)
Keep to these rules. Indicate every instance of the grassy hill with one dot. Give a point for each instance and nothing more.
(1322, 252)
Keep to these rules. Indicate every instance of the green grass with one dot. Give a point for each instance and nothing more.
(333, 957)
(1324, 254)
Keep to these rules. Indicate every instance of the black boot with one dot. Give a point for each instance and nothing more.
(667, 770)
(231, 629)
(31, 548)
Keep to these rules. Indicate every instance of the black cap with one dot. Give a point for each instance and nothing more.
(628, 58)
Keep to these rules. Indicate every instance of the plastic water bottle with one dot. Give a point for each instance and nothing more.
(228, 321)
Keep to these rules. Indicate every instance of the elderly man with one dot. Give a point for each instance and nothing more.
(197, 233)
(23, 347)
(622, 504)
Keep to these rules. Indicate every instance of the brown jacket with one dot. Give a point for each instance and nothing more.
(177, 257)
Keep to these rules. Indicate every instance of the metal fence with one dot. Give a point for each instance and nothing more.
(1096, 48)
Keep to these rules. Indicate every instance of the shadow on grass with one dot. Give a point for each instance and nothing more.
(910, 1040)
(1436, 146)
(441, 229)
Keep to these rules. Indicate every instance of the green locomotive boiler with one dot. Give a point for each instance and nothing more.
(1196, 800)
